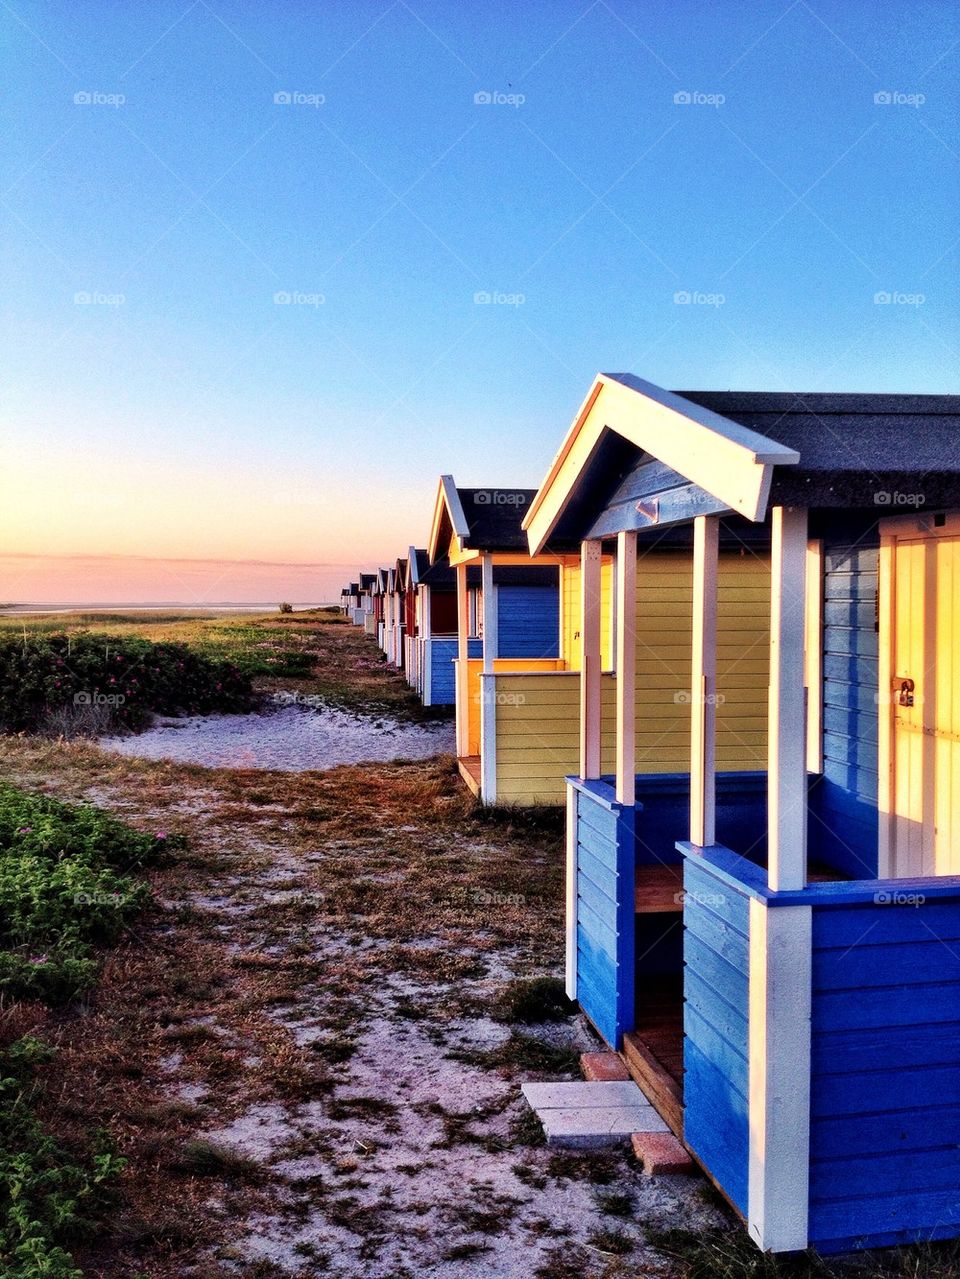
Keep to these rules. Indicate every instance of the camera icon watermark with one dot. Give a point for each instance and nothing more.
(94, 98)
(95, 698)
(897, 897)
(684, 697)
(694, 98)
(893, 497)
(87, 298)
(486, 298)
(692, 297)
(499, 497)
(494, 98)
(284, 297)
(895, 98)
(295, 98)
(887, 297)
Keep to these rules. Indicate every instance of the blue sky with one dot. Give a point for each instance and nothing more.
(217, 422)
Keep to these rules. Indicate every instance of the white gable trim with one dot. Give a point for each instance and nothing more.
(727, 460)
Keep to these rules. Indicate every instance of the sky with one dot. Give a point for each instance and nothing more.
(271, 268)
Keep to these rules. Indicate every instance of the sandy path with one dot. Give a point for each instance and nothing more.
(291, 738)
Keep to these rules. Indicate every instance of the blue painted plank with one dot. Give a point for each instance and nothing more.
(730, 1059)
(595, 928)
(718, 934)
(879, 1213)
(852, 1135)
(705, 1001)
(884, 1093)
(597, 872)
(905, 964)
(727, 982)
(892, 1172)
(604, 907)
(850, 1051)
(715, 1124)
(528, 621)
(882, 924)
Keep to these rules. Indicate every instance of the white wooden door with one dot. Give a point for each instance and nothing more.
(925, 695)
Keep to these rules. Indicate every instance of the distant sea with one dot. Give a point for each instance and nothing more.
(163, 606)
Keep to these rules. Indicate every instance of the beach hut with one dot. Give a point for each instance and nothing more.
(366, 620)
(399, 613)
(435, 643)
(345, 599)
(379, 597)
(777, 951)
(354, 610)
(509, 620)
(417, 562)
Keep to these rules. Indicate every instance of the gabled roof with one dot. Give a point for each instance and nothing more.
(400, 575)
(738, 451)
(367, 581)
(481, 519)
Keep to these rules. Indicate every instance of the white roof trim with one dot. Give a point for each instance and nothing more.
(449, 498)
(727, 460)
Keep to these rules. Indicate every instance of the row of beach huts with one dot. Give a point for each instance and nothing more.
(725, 634)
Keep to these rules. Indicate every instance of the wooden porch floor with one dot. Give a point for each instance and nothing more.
(470, 771)
(653, 1052)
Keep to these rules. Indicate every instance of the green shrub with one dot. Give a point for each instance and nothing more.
(535, 1000)
(48, 1197)
(93, 682)
(67, 884)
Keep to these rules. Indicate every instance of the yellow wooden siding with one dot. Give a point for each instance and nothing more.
(572, 649)
(538, 717)
(538, 735)
(500, 664)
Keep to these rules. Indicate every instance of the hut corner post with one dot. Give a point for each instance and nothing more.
(461, 693)
(626, 613)
(590, 730)
(488, 686)
(780, 944)
(703, 682)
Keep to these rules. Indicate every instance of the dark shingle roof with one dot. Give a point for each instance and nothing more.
(851, 444)
(494, 516)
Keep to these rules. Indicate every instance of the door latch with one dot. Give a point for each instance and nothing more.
(905, 694)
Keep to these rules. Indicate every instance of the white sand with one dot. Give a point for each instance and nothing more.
(290, 738)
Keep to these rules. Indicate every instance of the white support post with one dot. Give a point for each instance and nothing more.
(779, 1076)
(570, 887)
(489, 613)
(814, 657)
(626, 615)
(703, 683)
(463, 624)
(786, 732)
(488, 687)
(590, 709)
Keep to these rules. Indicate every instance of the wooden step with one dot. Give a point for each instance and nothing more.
(663, 1090)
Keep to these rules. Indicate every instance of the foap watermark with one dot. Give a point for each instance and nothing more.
(296, 98)
(499, 497)
(495, 98)
(885, 297)
(692, 297)
(893, 497)
(485, 298)
(684, 697)
(285, 297)
(500, 699)
(491, 897)
(101, 899)
(87, 298)
(895, 98)
(286, 698)
(897, 897)
(694, 98)
(699, 899)
(95, 698)
(94, 98)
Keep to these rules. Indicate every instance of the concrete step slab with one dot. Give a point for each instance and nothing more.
(598, 1126)
(584, 1096)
